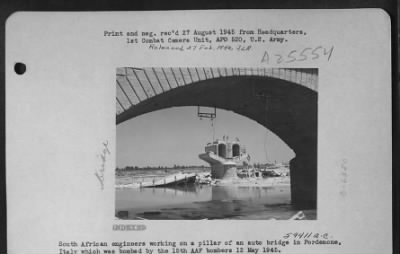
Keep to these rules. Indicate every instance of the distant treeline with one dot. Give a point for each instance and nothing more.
(268, 165)
(133, 168)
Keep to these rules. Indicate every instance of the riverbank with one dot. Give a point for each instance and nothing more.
(249, 198)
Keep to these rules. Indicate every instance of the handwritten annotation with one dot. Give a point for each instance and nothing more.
(103, 157)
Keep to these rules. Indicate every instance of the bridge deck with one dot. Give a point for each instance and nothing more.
(135, 85)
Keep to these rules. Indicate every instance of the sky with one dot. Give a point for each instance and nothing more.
(177, 136)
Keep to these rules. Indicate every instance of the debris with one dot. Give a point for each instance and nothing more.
(298, 216)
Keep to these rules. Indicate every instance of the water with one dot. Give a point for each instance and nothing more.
(206, 202)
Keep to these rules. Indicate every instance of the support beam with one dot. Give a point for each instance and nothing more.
(158, 80)
(173, 73)
(122, 89)
(133, 89)
(148, 80)
(140, 83)
(166, 78)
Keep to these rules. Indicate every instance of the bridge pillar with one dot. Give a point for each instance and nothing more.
(303, 180)
(223, 171)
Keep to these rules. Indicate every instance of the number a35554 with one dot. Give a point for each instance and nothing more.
(305, 54)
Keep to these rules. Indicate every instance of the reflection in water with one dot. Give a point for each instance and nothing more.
(204, 202)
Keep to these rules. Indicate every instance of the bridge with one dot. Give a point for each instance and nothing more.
(284, 100)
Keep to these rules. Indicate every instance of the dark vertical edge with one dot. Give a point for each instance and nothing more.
(395, 18)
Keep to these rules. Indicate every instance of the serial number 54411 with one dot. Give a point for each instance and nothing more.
(298, 55)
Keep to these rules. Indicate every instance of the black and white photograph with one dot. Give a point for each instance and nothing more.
(199, 131)
(198, 143)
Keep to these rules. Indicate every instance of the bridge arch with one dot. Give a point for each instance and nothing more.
(286, 108)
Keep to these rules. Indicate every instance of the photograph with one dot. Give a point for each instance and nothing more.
(200, 131)
(206, 143)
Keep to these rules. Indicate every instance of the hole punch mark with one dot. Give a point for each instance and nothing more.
(20, 68)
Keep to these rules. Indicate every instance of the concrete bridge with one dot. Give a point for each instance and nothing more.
(282, 100)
